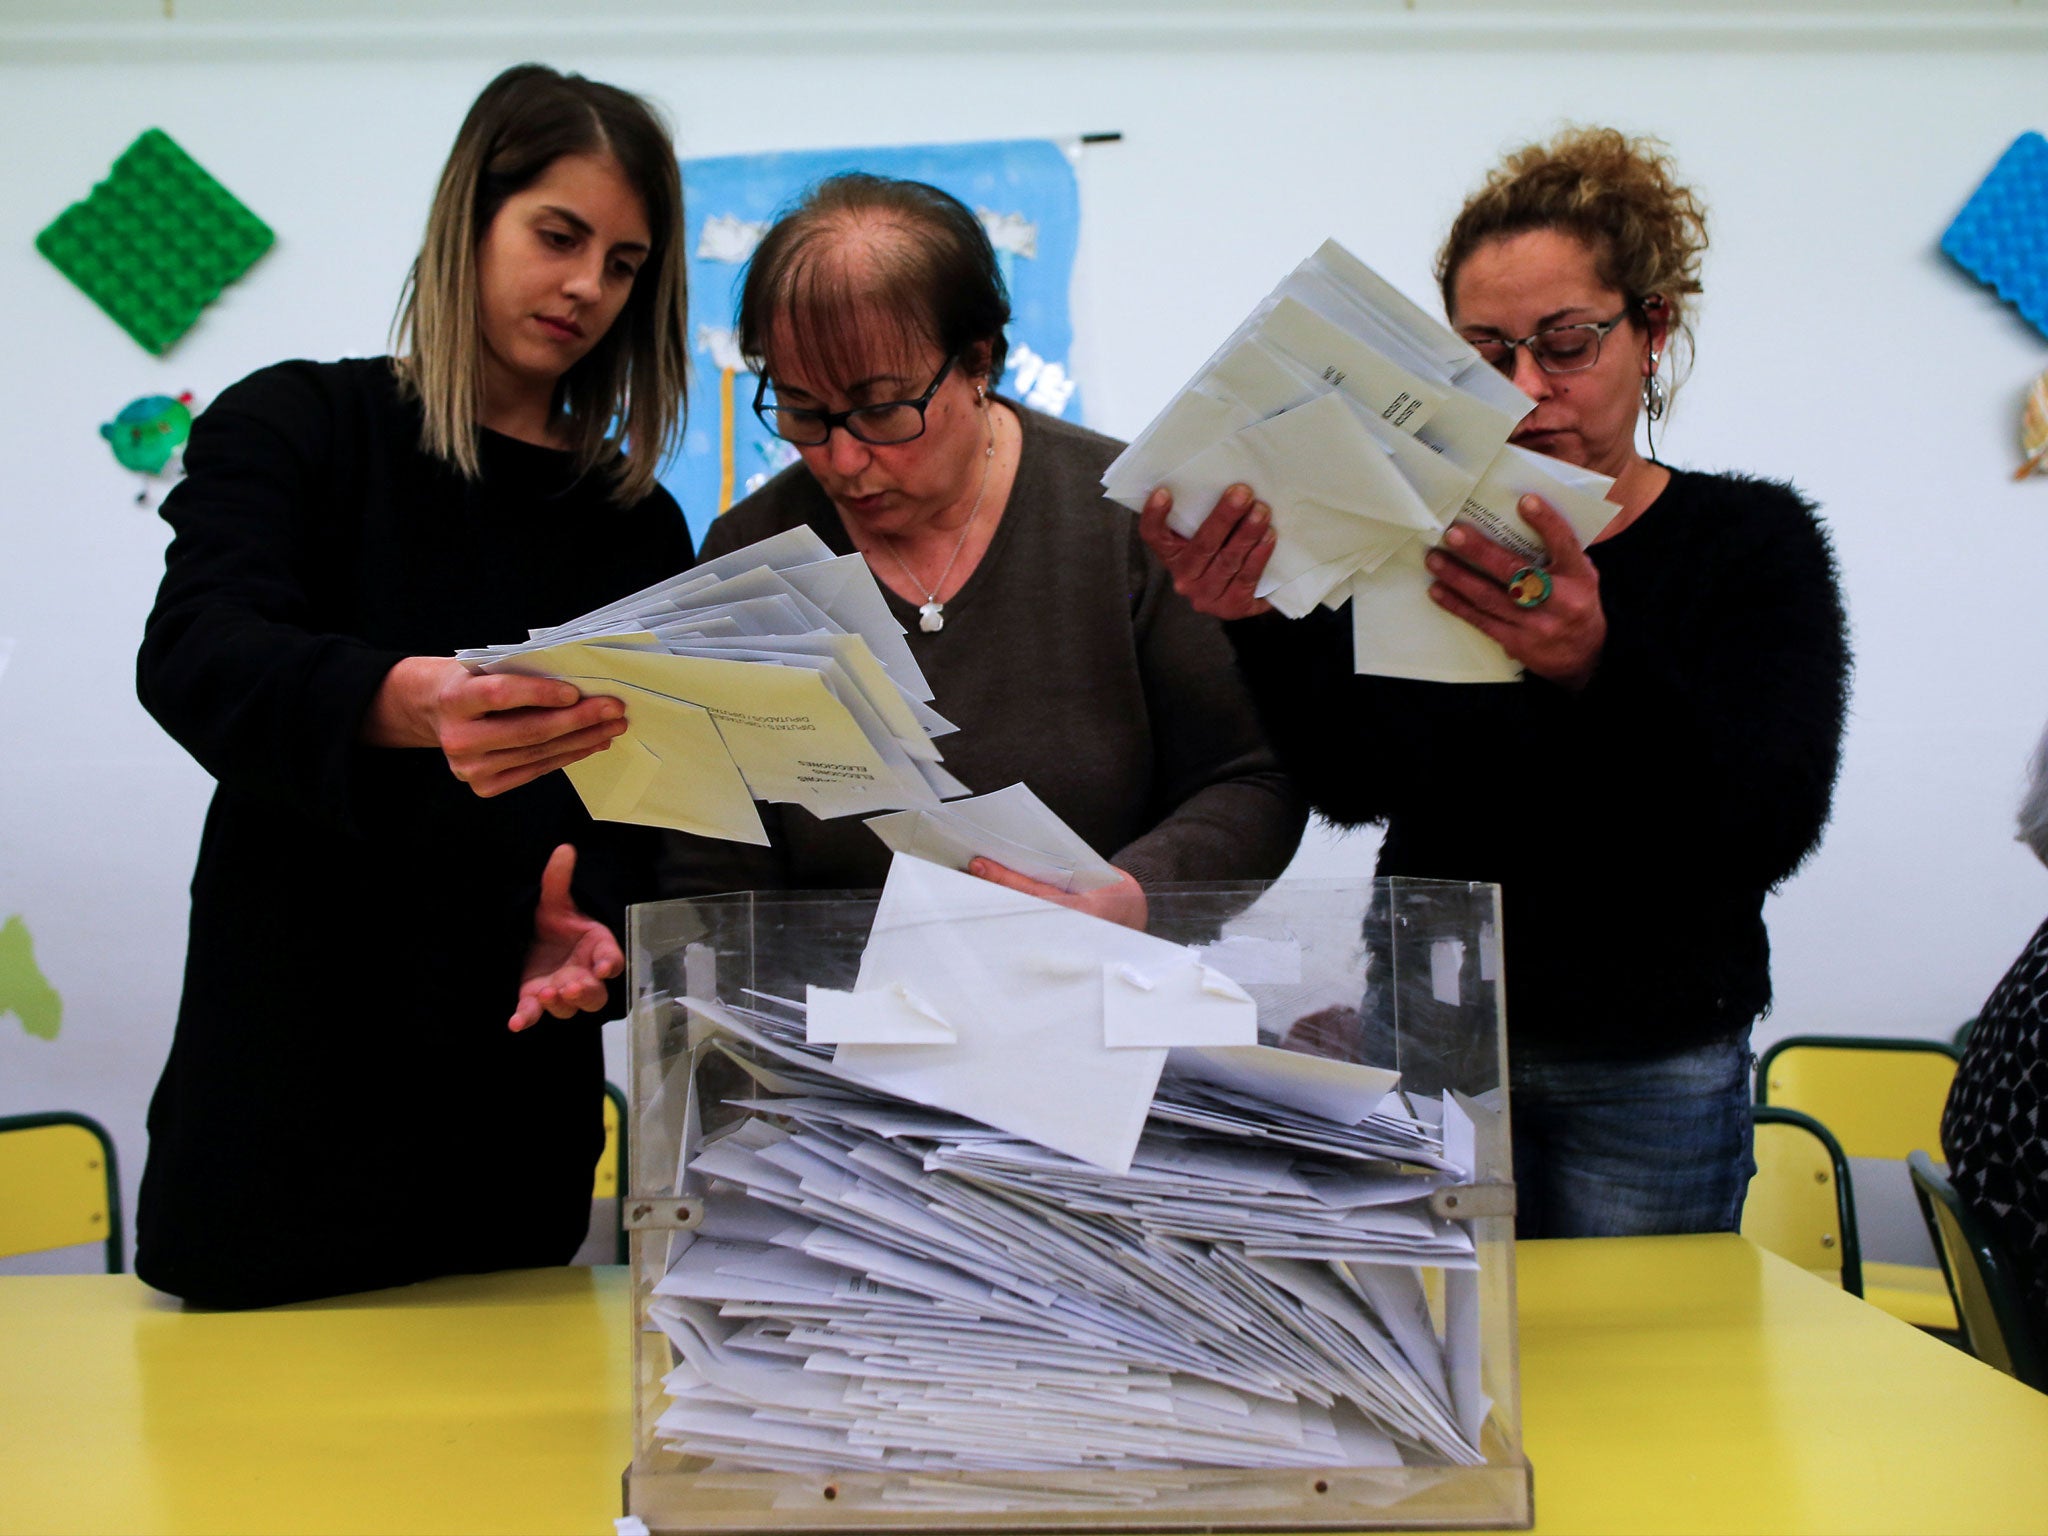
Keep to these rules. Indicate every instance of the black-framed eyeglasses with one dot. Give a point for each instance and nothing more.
(1560, 349)
(885, 422)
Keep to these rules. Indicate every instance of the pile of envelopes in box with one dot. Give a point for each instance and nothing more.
(1368, 427)
(1030, 1196)
(773, 673)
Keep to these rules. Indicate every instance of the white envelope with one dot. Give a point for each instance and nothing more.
(1020, 982)
(1578, 494)
(1183, 1004)
(1246, 381)
(891, 1015)
(1012, 826)
(1404, 400)
(1343, 1091)
(1397, 630)
(669, 769)
(1335, 493)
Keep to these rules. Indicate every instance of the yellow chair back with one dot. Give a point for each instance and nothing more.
(58, 1185)
(611, 1168)
(1881, 1098)
(607, 1185)
(1799, 1204)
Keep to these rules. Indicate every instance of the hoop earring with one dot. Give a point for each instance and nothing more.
(1654, 399)
(1655, 403)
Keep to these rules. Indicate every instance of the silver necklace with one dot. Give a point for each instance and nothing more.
(931, 613)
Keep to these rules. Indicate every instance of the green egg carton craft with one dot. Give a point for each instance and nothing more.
(156, 242)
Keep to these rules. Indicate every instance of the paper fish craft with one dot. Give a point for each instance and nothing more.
(148, 436)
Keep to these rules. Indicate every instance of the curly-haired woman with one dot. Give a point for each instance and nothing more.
(1670, 754)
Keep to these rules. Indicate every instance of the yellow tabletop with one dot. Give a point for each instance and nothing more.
(1669, 1384)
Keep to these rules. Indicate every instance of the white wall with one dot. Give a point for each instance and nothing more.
(1837, 347)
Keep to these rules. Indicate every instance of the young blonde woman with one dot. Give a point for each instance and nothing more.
(385, 878)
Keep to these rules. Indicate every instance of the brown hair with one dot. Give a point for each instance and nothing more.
(858, 245)
(1620, 196)
(624, 399)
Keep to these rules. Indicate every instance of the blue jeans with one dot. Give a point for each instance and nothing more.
(1631, 1148)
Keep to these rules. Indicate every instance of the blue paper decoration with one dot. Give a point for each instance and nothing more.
(2001, 236)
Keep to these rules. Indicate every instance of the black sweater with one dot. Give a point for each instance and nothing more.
(1634, 827)
(341, 1065)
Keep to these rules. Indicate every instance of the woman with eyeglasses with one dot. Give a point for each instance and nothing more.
(1670, 755)
(384, 880)
(874, 313)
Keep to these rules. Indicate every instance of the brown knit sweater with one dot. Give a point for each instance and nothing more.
(1069, 663)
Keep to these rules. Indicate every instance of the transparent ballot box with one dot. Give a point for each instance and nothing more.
(952, 1210)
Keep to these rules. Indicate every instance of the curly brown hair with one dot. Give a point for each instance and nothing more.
(1618, 194)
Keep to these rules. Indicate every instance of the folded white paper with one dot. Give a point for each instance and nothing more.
(1333, 360)
(1011, 826)
(891, 1015)
(773, 673)
(1183, 1004)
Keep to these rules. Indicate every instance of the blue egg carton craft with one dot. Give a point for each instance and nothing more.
(2001, 236)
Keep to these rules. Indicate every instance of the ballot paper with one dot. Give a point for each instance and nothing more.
(1369, 428)
(1011, 826)
(898, 1273)
(1022, 982)
(773, 673)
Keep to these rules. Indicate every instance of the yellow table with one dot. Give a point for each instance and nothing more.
(1669, 1384)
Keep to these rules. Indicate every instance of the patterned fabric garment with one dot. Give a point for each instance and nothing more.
(1995, 1130)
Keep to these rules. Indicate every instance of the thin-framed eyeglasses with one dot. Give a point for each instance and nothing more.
(1557, 349)
(885, 422)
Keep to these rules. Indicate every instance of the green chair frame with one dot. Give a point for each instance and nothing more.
(108, 1164)
(1845, 1195)
(1982, 1280)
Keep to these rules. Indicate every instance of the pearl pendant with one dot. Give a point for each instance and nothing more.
(930, 618)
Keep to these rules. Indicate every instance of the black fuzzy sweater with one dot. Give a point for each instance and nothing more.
(1634, 827)
(341, 1067)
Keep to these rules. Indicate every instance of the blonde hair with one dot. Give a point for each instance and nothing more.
(1621, 197)
(623, 402)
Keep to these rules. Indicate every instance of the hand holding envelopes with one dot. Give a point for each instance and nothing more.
(1058, 1254)
(773, 673)
(1012, 826)
(1368, 428)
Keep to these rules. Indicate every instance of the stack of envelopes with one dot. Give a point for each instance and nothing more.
(1368, 427)
(940, 1242)
(773, 673)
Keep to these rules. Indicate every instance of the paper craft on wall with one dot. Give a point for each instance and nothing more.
(2000, 235)
(156, 242)
(2001, 239)
(148, 436)
(24, 991)
(2034, 429)
(1025, 194)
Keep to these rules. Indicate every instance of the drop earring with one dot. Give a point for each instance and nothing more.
(1654, 398)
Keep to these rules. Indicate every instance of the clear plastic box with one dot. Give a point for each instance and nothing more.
(1398, 973)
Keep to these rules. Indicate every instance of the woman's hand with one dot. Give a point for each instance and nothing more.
(1122, 903)
(571, 956)
(1562, 636)
(1218, 569)
(498, 730)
